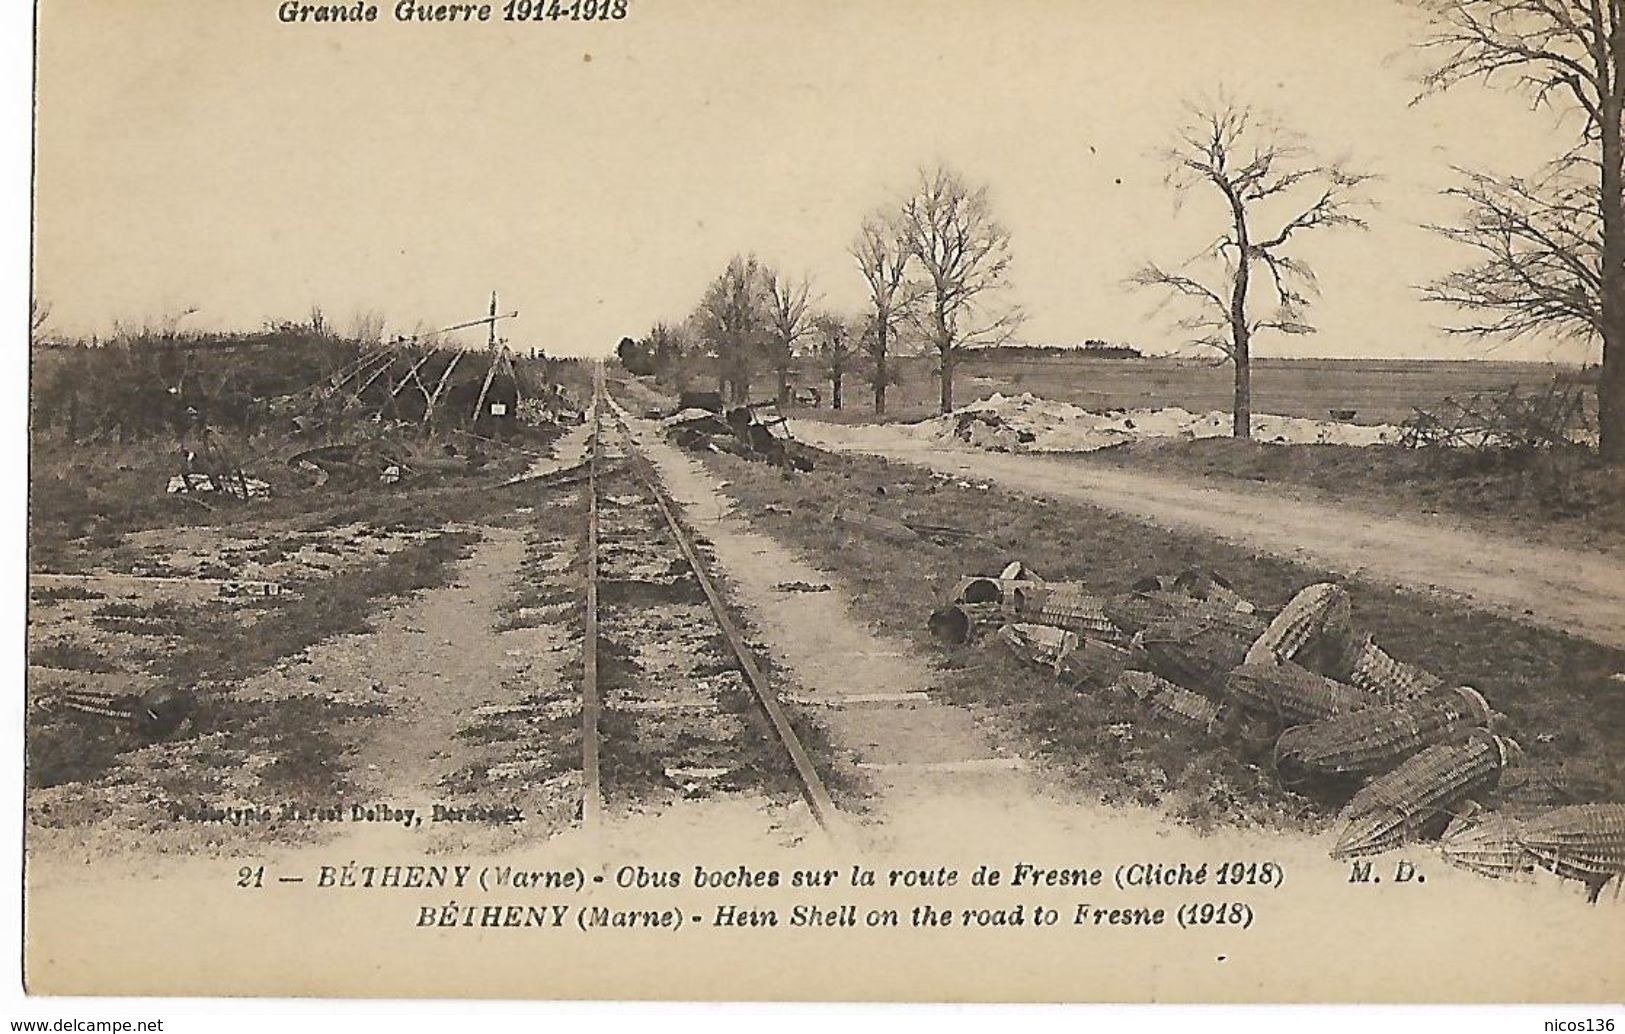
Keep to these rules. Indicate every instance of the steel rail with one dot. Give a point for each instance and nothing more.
(813, 789)
(592, 792)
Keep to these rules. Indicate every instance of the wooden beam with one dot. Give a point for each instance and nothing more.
(440, 388)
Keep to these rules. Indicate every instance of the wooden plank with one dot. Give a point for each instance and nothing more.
(412, 374)
(479, 403)
(221, 586)
(440, 386)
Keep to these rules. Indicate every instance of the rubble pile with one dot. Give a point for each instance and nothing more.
(1409, 757)
(755, 432)
(1028, 423)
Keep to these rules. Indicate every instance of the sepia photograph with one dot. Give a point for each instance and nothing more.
(1111, 501)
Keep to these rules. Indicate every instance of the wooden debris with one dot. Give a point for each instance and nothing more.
(1555, 418)
(799, 586)
(757, 431)
(1097, 663)
(1043, 645)
(565, 475)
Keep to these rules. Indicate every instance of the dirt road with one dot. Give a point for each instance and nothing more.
(1570, 590)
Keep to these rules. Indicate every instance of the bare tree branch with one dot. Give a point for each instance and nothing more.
(1539, 253)
(39, 314)
(883, 255)
(788, 321)
(964, 254)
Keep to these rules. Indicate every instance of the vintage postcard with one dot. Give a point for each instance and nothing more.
(924, 501)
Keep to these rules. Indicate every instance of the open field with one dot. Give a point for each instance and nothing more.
(1379, 391)
(1556, 691)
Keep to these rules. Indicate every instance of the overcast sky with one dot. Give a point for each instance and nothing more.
(201, 155)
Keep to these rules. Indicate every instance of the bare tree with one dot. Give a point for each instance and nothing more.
(964, 255)
(671, 349)
(39, 314)
(366, 325)
(837, 347)
(169, 324)
(882, 254)
(1262, 173)
(1541, 246)
(731, 320)
(789, 319)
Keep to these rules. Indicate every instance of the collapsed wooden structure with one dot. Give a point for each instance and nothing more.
(424, 385)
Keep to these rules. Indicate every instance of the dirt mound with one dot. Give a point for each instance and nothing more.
(1027, 423)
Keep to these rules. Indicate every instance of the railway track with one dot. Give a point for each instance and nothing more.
(674, 701)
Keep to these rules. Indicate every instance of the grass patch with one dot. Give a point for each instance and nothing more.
(308, 762)
(1556, 690)
(218, 650)
(59, 593)
(221, 650)
(88, 496)
(65, 748)
(1565, 499)
(65, 653)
